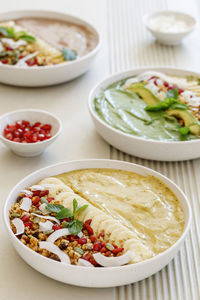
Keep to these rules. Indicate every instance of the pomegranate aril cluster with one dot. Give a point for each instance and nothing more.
(24, 132)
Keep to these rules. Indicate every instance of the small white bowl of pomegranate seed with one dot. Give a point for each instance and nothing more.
(29, 132)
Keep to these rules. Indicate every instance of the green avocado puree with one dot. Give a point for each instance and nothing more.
(125, 111)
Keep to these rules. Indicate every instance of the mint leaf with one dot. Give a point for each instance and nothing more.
(7, 31)
(77, 209)
(183, 130)
(69, 54)
(179, 105)
(162, 105)
(54, 207)
(75, 204)
(81, 208)
(172, 93)
(3, 31)
(27, 38)
(64, 213)
(75, 226)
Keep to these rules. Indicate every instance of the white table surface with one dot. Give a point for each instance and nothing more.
(126, 45)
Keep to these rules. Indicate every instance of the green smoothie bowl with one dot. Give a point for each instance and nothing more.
(152, 113)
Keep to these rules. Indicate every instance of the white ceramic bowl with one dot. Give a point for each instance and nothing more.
(31, 115)
(95, 277)
(170, 38)
(47, 75)
(137, 146)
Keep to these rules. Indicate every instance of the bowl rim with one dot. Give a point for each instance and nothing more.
(126, 267)
(146, 18)
(85, 23)
(127, 73)
(13, 112)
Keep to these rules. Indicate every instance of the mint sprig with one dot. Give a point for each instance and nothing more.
(10, 32)
(162, 105)
(26, 37)
(69, 54)
(7, 32)
(55, 208)
(170, 102)
(172, 93)
(74, 226)
(64, 213)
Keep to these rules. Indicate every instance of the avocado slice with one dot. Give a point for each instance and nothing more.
(188, 118)
(144, 93)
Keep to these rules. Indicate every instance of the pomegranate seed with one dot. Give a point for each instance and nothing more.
(89, 230)
(155, 82)
(4, 61)
(11, 128)
(25, 218)
(180, 91)
(46, 127)
(82, 241)
(103, 244)
(92, 238)
(49, 199)
(56, 227)
(27, 134)
(33, 138)
(166, 84)
(117, 250)
(28, 224)
(35, 200)
(37, 124)
(107, 253)
(48, 136)
(21, 56)
(36, 129)
(97, 246)
(16, 134)
(20, 131)
(9, 136)
(9, 48)
(18, 124)
(41, 137)
(31, 62)
(25, 123)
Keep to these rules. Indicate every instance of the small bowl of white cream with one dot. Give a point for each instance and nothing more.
(169, 27)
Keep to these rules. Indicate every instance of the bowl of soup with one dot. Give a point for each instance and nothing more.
(151, 113)
(40, 48)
